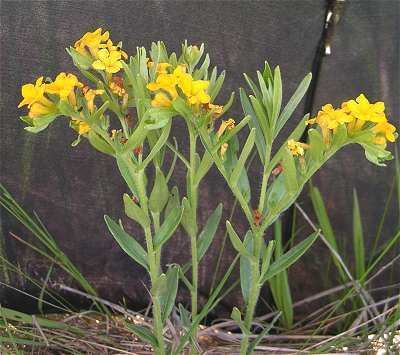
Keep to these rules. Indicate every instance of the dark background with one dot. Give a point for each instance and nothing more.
(72, 188)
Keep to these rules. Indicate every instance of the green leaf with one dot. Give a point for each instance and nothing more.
(248, 110)
(160, 193)
(81, 61)
(205, 165)
(168, 295)
(289, 171)
(248, 146)
(99, 143)
(158, 146)
(127, 243)
(169, 226)
(143, 333)
(182, 108)
(266, 258)
(135, 212)
(246, 277)
(214, 90)
(261, 117)
(236, 242)
(277, 97)
(173, 201)
(289, 258)
(325, 224)
(358, 238)
(339, 137)
(292, 103)
(66, 108)
(126, 173)
(206, 236)
(187, 219)
(317, 146)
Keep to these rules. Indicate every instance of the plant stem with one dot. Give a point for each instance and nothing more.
(154, 269)
(254, 291)
(193, 199)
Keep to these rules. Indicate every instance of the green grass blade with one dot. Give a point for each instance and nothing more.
(358, 238)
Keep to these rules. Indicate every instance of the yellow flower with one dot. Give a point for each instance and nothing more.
(296, 148)
(32, 93)
(111, 48)
(64, 86)
(80, 126)
(90, 95)
(161, 67)
(363, 110)
(109, 61)
(161, 100)
(198, 93)
(228, 124)
(384, 131)
(91, 41)
(329, 119)
(38, 109)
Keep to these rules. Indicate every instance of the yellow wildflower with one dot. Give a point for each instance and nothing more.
(39, 109)
(91, 41)
(228, 124)
(198, 93)
(32, 93)
(161, 67)
(64, 86)
(90, 95)
(80, 126)
(384, 131)
(109, 61)
(329, 119)
(111, 48)
(296, 148)
(363, 110)
(161, 100)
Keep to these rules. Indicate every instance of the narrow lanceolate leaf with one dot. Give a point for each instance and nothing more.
(267, 256)
(289, 258)
(217, 86)
(168, 295)
(325, 224)
(143, 333)
(160, 193)
(157, 147)
(135, 212)
(206, 236)
(168, 228)
(236, 242)
(248, 146)
(246, 276)
(358, 238)
(127, 243)
(292, 104)
(317, 146)
(126, 173)
(277, 97)
(289, 171)
(99, 143)
(248, 110)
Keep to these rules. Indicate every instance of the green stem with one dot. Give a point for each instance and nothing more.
(193, 198)
(154, 270)
(265, 179)
(254, 292)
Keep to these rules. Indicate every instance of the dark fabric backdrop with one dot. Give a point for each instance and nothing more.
(72, 188)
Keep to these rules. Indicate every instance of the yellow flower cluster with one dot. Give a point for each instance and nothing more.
(40, 105)
(165, 87)
(355, 114)
(98, 46)
(34, 96)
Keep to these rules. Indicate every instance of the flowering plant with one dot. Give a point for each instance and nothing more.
(142, 94)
